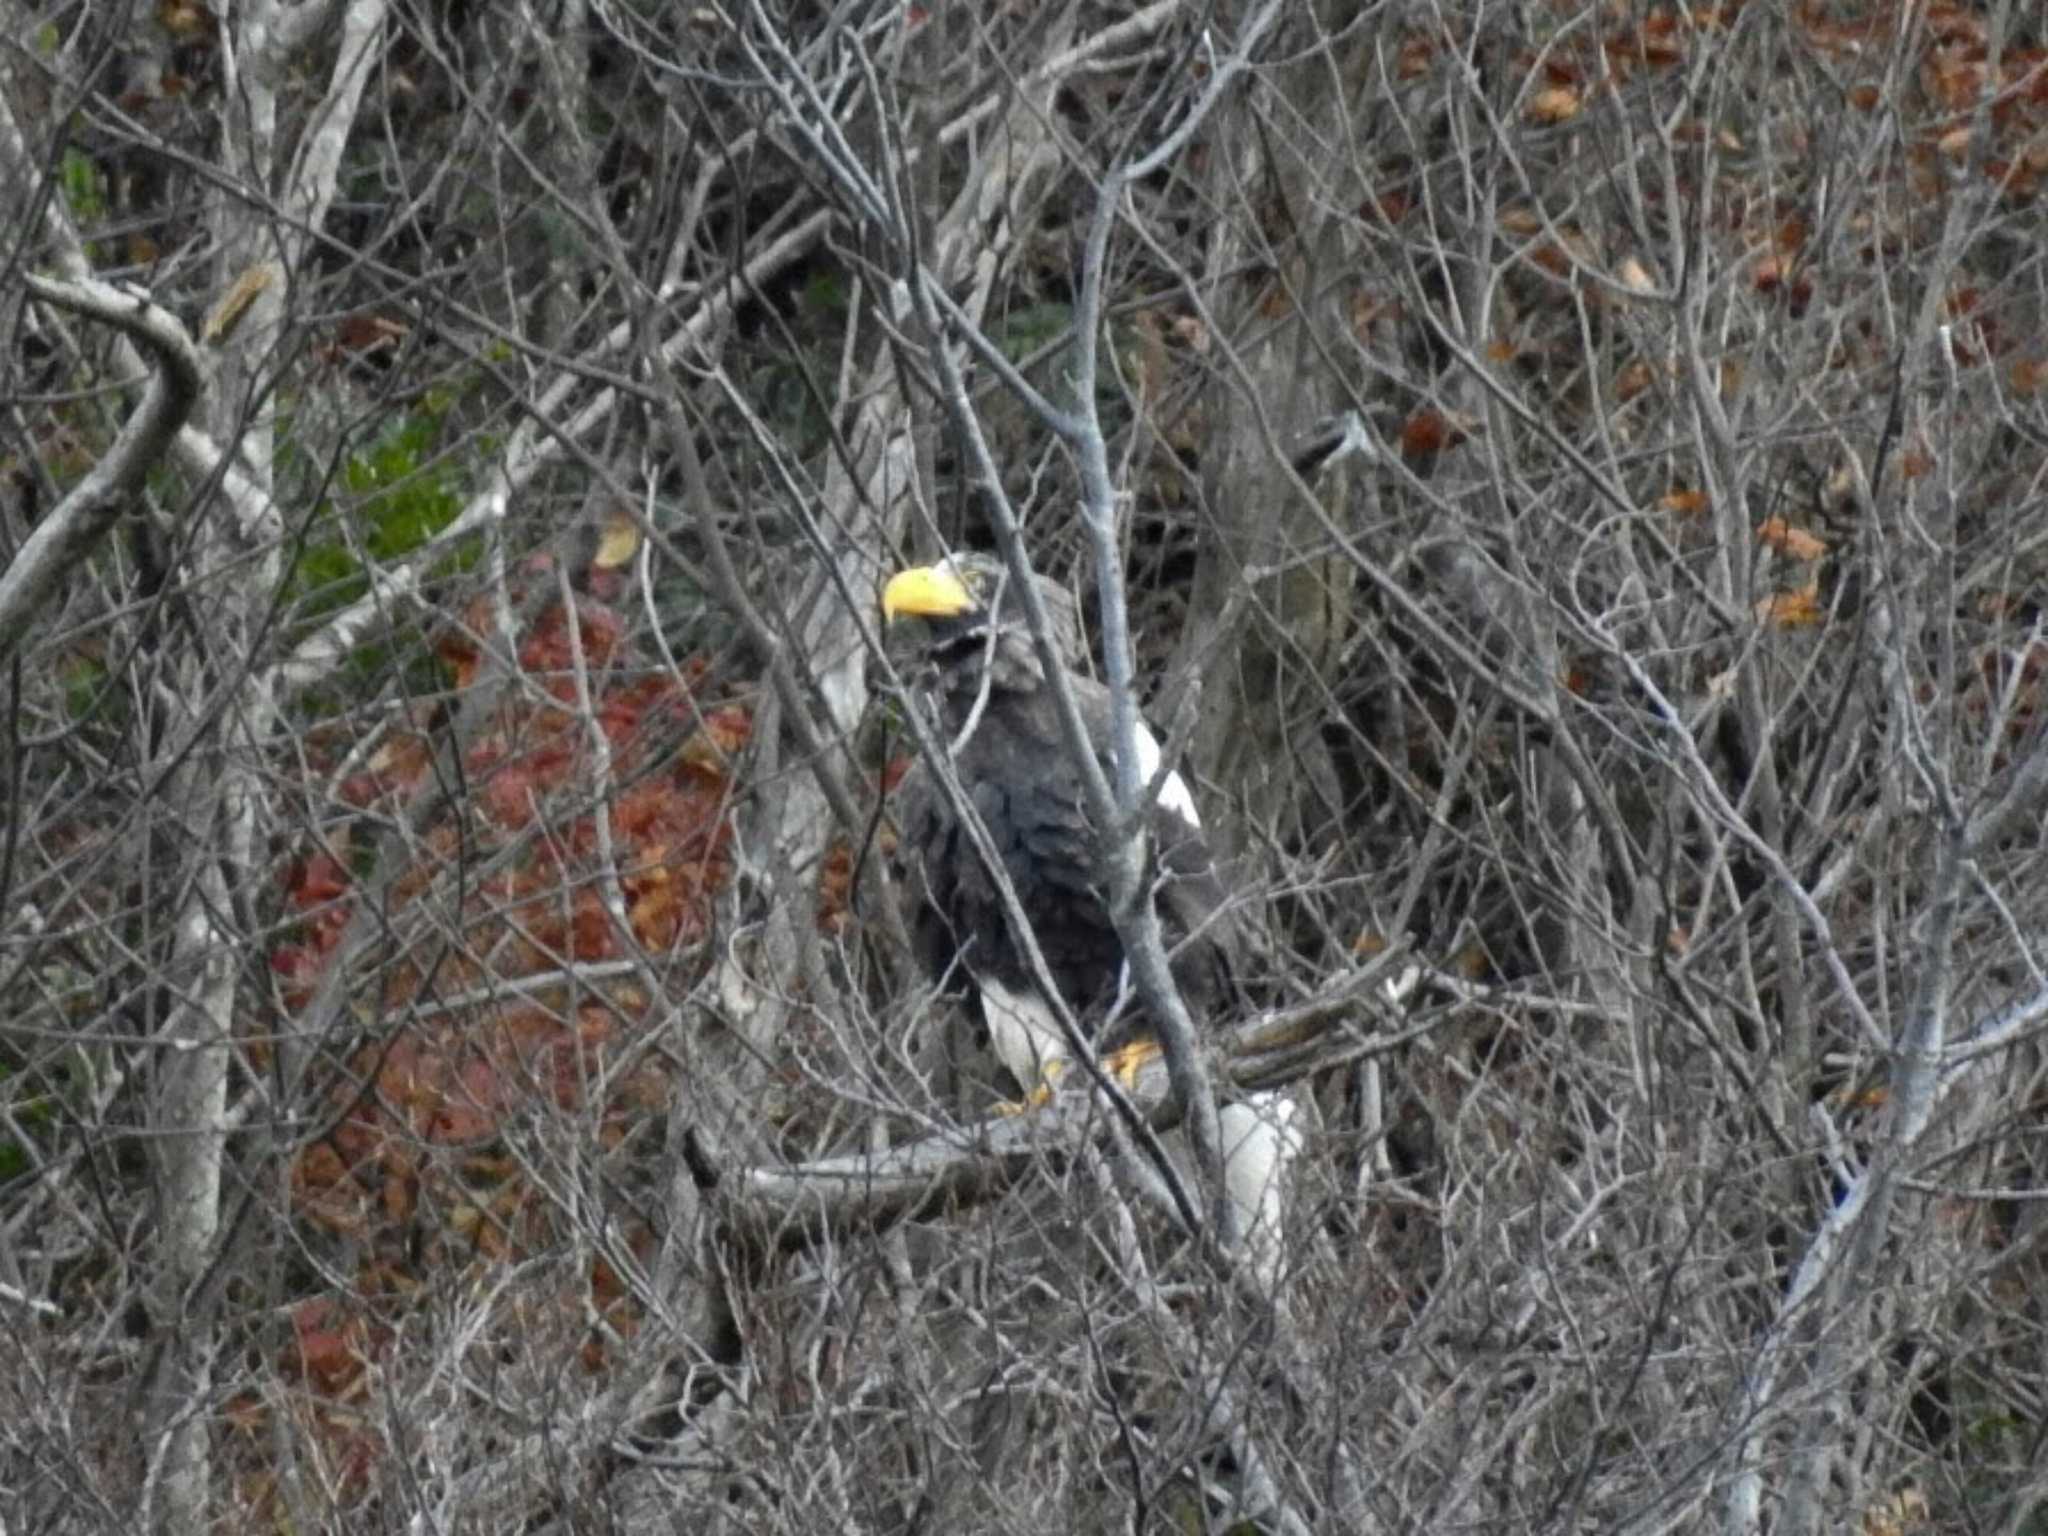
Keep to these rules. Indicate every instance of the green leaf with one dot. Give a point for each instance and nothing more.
(85, 189)
(399, 494)
(85, 688)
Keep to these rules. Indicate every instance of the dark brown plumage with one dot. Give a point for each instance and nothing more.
(997, 717)
(974, 657)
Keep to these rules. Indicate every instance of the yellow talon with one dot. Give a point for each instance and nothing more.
(1038, 1097)
(1124, 1064)
(1127, 1061)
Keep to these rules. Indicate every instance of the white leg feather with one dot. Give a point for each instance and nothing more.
(1260, 1138)
(1027, 1037)
(1260, 1143)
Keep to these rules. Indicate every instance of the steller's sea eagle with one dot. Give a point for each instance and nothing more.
(999, 718)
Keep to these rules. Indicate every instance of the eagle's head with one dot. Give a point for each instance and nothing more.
(954, 588)
(969, 616)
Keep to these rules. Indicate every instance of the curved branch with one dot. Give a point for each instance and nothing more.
(83, 517)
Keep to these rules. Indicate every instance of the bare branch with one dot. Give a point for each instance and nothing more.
(63, 539)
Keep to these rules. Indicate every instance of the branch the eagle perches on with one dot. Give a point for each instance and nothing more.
(799, 1204)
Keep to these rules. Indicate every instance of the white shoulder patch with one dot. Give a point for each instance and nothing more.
(1173, 793)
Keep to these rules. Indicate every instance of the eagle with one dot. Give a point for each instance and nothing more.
(997, 716)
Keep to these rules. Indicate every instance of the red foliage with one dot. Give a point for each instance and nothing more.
(1427, 433)
(413, 1169)
(330, 1347)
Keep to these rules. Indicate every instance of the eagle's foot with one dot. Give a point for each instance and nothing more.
(1127, 1061)
(1038, 1097)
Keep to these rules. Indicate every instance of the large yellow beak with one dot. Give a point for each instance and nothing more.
(926, 592)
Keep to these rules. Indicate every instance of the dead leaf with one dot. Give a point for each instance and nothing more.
(1428, 433)
(1413, 61)
(1796, 609)
(1632, 381)
(234, 304)
(185, 18)
(362, 333)
(619, 542)
(1795, 543)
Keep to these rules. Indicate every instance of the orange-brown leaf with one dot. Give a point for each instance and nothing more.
(1425, 434)
(1633, 379)
(1554, 104)
(1796, 543)
(717, 740)
(363, 333)
(835, 889)
(1796, 609)
(316, 881)
(185, 19)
